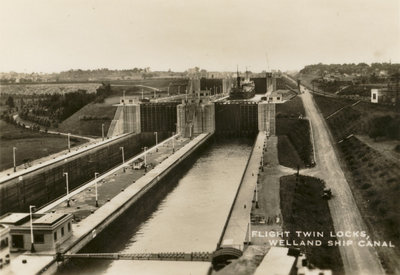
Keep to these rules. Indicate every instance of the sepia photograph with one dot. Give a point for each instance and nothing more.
(188, 137)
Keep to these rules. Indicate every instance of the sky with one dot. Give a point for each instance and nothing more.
(216, 35)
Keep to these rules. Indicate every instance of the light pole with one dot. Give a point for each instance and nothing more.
(156, 140)
(15, 163)
(69, 142)
(65, 174)
(145, 158)
(102, 131)
(256, 191)
(30, 213)
(95, 188)
(173, 142)
(123, 157)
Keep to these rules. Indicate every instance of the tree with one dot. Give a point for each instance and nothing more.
(10, 102)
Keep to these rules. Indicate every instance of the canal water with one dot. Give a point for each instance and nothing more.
(188, 216)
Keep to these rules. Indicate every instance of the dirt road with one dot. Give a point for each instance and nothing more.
(357, 259)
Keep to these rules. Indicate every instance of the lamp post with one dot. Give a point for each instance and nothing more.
(65, 174)
(145, 158)
(156, 140)
(102, 131)
(95, 188)
(15, 163)
(123, 156)
(173, 142)
(30, 214)
(69, 142)
(256, 195)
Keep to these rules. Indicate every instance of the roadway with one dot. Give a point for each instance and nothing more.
(344, 211)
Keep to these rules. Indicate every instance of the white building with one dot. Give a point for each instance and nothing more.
(49, 230)
(4, 245)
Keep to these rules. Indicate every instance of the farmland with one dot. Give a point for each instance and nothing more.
(30, 145)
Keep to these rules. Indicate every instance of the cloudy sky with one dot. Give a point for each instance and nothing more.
(56, 35)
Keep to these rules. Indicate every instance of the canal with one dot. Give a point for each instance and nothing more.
(186, 214)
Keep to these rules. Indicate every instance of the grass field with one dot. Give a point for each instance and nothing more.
(375, 182)
(292, 108)
(100, 112)
(30, 145)
(297, 132)
(304, 210)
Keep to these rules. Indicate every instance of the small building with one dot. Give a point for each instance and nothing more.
(127, 100)
(383, 95)
(4, 245)
(275, 97)
(49, 230)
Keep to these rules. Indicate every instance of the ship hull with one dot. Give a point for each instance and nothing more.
(241, 94)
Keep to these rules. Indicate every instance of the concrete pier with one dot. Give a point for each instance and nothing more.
(236, 231)
(92, 223)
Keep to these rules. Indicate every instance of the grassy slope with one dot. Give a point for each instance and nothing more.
(352, 119)
(30, 145)
(89, 127)
(292, 108)
(298, 133)
(375, 182)
(303, 209)
(293, 134)
(373, 178)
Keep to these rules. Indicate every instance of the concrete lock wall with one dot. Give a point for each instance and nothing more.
(195, 117)
(46, 184)
(156, 117)
(266, 117)
(236, 118)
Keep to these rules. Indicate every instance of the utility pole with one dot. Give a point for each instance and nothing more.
(173, 142)
(156, 141)
(32, 240)
(65, 174)
(95, 187)
(102, 131)
(15, 163)
(69, 142)
(145, 158)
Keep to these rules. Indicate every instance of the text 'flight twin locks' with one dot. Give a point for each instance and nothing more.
(244, 89)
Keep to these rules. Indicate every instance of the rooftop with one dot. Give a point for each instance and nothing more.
(13, 218)
(49, 219)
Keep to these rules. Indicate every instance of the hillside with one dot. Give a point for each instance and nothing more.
(87, 121)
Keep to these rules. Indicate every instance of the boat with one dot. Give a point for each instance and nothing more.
(244, 89)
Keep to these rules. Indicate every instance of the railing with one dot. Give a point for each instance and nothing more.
(164, 256)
